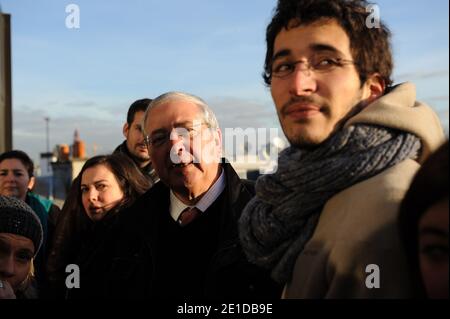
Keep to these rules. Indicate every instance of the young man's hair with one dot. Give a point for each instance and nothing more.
(22, 157)
(137, 106)
(370, 47)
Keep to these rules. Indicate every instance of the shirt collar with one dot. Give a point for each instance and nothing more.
(177, 206)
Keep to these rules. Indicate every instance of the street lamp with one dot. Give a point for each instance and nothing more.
(48, 158)
(47, 120)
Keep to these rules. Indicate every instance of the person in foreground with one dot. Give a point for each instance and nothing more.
(180, 239)
(17, 180)
(104, 188)
(21, 236)
(325, 224)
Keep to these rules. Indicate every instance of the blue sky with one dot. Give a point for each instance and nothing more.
(124, 50)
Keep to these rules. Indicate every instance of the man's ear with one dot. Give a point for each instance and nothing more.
(375, 87)
(31, 183)
(125, 130)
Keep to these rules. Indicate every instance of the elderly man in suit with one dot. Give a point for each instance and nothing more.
(181, 238)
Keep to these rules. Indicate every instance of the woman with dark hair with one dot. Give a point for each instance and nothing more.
(105, 187)
(424, 226)
(109, 184)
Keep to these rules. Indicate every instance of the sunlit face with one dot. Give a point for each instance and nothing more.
(14, 179)
(188, 162)
(100, 191)
(16, 256)
(135, 139)
(312, 105)
(433, 249)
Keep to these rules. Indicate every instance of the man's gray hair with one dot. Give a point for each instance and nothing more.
(208, 115)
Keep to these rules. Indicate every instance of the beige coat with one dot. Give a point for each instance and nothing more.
(357, 227)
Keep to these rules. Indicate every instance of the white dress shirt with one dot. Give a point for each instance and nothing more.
(177, 206)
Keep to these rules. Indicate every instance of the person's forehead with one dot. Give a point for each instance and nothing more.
(12, 163)
(17, 242)
(436, 215)
(138, 116)
(171, 112)
(97, 172)
(301, 39)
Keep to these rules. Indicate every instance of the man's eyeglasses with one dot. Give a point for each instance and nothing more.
(161, 137)
(317, 64)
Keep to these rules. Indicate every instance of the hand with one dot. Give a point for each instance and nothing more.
(6, 291)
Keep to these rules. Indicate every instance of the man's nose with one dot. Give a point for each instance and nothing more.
(7, 266)
(10, 177)
(177, 147)
(302, 81)
(141, 138)
(179, 139)
(174, 137)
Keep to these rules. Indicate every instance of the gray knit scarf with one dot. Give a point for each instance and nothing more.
(278, 222)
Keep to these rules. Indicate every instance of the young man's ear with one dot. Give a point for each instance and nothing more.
(375, 87)
(31, 183)
(125, 130)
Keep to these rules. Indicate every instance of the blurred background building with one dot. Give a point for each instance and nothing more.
(59, 168)
(5, 83)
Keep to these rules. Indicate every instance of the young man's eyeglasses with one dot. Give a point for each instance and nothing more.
(282, 68)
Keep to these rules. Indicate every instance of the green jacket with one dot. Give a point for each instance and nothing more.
(47, 213)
